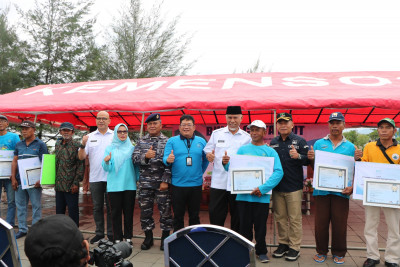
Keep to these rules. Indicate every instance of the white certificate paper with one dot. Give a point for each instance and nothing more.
(331, 178)
(365, 170)
(333, 169)
(245, 162)
(6, 158)
(381, 193)
(244, 181)
(29, 171)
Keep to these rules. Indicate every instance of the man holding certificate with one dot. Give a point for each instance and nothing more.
(254, 207)
(29, 147)
(332, 207)
(287, 195)
(227, 139)
(7, 145)
(385, 150)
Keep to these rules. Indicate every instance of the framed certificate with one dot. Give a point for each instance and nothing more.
(382, 193)
(6, 158)
(244, 181)
(33, 175)
(330, 178)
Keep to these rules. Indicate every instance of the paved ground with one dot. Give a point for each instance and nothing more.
(155, 257)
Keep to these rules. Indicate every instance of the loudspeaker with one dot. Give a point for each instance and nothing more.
(9, 256)
(208, 245)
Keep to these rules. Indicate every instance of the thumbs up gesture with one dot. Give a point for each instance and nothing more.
(171, 157)
(211, 156)
(358, 153)
(311, 154)
(225, 158)
(107, 158)
(150, 153)
(293, 153)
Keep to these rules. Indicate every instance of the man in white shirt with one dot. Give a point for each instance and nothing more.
(227, 139)
(94, 145)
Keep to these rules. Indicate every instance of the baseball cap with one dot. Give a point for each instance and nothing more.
(336, 116)
(284, 116)
(53, 232)
(28, 124)
(2, 117)
(258, 124)
(67, 125)
(388, 120)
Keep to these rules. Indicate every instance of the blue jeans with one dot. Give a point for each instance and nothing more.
(10, 200)
(22, 197)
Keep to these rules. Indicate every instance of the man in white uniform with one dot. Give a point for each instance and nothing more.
(224, 140)
(94, 145)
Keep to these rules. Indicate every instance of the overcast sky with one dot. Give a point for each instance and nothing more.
(287, 36)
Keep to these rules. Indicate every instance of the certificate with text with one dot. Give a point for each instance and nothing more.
(332, 171)
(6, 158)
(331, 178)
(29, 171)
(381, 193)
(372, 170)
(240, 163)
(244, 181)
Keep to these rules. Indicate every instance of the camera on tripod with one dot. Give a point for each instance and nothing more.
(108, 254)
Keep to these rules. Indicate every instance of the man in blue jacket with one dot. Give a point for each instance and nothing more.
(184, 153)
(254, 207)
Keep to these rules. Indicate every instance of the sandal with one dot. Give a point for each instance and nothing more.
(319, 258)
(338, 260)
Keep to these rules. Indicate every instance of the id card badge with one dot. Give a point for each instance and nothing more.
(188, 161)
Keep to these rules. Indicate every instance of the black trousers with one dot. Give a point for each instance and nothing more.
(122, 202)
(66, 199)
(220, 201)
(254, 214)
(183, 197)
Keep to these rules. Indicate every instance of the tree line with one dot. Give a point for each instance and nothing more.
(54, 42)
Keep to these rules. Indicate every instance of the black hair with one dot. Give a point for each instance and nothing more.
(186, 117)
(56, 257)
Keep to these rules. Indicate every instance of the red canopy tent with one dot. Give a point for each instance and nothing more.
(363, 97)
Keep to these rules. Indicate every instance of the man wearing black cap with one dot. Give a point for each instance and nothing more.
(385, 150)
(287, 195)
(227, 139)
(69, 172)
(154, 180)
(332, 207)
(56, 241)
(29, 147)
(7, 142)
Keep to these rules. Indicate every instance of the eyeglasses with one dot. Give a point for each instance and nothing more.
(122, 132)
(186, 125)
(101, 119)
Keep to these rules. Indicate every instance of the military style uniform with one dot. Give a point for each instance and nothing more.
(152, 173)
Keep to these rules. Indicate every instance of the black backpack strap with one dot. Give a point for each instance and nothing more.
(386, 155)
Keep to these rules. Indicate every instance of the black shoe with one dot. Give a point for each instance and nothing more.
(389, 264)
(370, 263)
(20, 234)
(280, 251)
(96, 239)
(148, 241)
(292, 255)
(165, 234)
(110, 238)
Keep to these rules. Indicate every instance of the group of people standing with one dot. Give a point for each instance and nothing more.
(170, 172)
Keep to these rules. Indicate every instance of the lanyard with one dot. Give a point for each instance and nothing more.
(188, 144)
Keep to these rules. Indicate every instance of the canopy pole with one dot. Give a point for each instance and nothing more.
(274, 122)
(141, 126)
(35, 118)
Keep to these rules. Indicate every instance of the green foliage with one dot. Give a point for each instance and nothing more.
(62, 47)
(12, 57)
(356, 138)
(373, 135)
(143, 45)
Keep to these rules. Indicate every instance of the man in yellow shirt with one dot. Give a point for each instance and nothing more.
(384, 150)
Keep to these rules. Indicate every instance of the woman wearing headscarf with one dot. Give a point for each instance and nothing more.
(121, 182)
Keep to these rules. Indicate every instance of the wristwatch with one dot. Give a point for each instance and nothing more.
(299, 156)
(82, 146)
